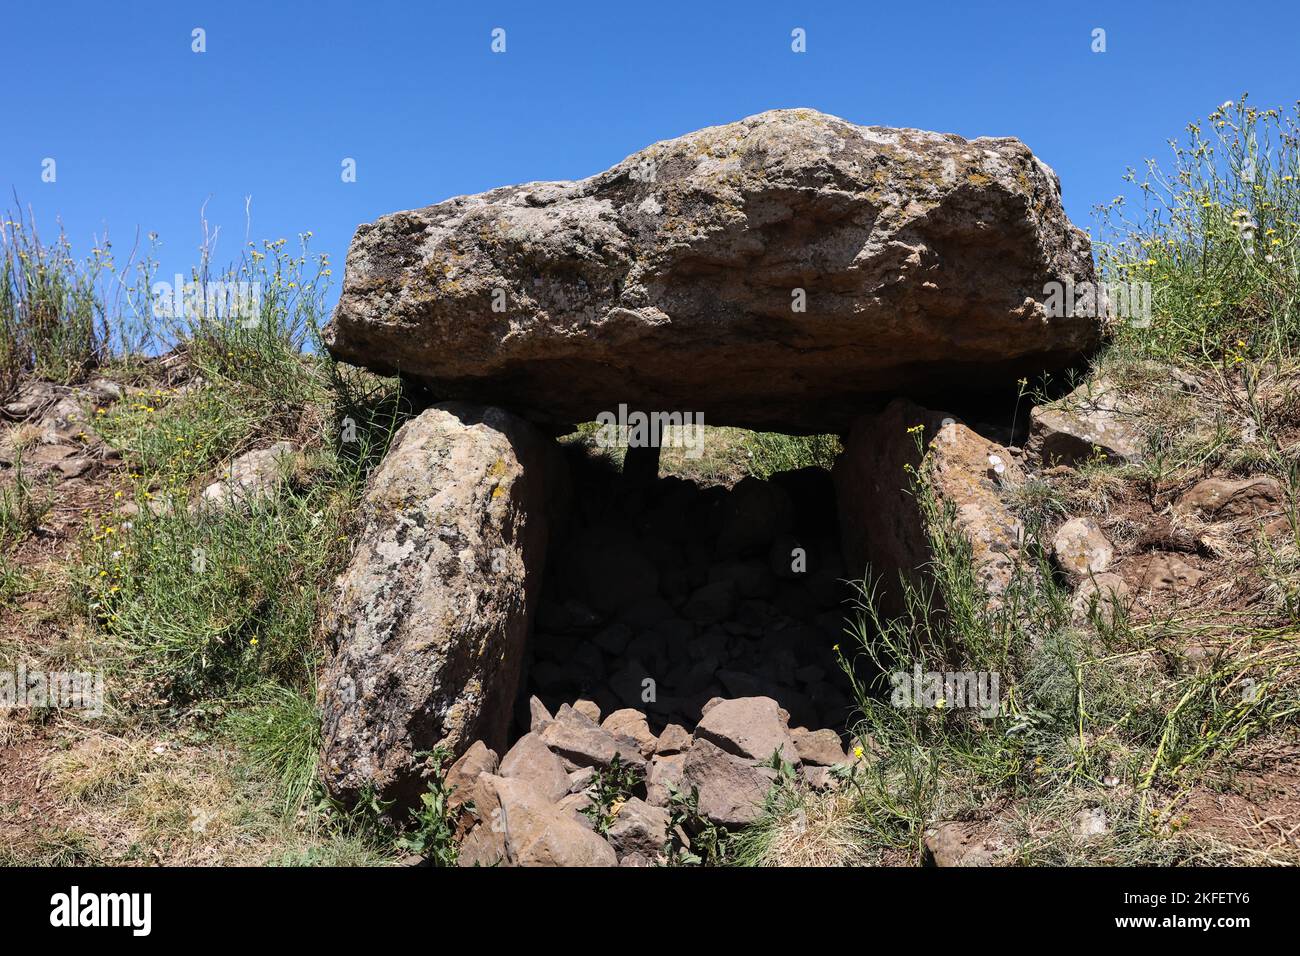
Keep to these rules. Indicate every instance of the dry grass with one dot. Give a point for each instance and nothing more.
(820, 829)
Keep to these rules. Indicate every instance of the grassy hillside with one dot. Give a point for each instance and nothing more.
(205, 624)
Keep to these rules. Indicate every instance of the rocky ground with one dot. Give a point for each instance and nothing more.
(693, 587)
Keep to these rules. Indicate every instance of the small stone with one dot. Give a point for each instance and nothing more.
(463, 774)
(588, 708)
(959, 844)
(639, 828)
(1095, 418)
(580, 780)
(731, 789)
(252, 475)
(749, 727)
(540, 716)
(530, 759)
(632, 723)
(580, 742)
(614, 639)
(1081, 549)
(1162, 573)
(1091, 822)
(1108, 593)
(664, 776)
(818, 778)
(820, 747)
(675, 739)
(1228, 499)
(711, 603)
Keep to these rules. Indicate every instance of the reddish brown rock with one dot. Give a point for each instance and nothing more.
(639, 828)
(520, 827)
(881, 523)
(531, 760)
(820, 747)
(462, 775)
(750, 727)
(674, 739)
(580, 742)
(632, 723)
(664, 776)
(731, 789)
(1228, 499)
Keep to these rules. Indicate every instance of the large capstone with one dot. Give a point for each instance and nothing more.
(430, 618)
(784, 272)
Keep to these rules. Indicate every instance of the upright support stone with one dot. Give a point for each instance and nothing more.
(882, 526)
(430, 617)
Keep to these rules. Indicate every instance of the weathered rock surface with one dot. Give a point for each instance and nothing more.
(254, 474)
(1081, 549)
(674, 739)
(961, 844)
(1229, 499)
(1095, 418)
(881, 523)
(429, 618)
(675, 279)
(1107, 593)
(632, 723)
(663, 776)
(822, 748)
(640, 829)
(463, 774)
(531, 760)
(750, 727)
(521, 827)
(1158, 573)
(731, 789)
(581, 742)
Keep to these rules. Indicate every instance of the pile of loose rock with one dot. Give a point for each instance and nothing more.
(667, 599)
(52, 440)
(527, 808)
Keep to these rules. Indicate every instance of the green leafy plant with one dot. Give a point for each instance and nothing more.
(432, 834)
(693, 839)
(611, 788)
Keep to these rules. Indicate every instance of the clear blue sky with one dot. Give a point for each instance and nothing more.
(143, 130)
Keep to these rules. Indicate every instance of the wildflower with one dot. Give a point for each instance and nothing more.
(858, 751)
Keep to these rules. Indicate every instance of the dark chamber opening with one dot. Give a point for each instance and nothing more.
(661, 594)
